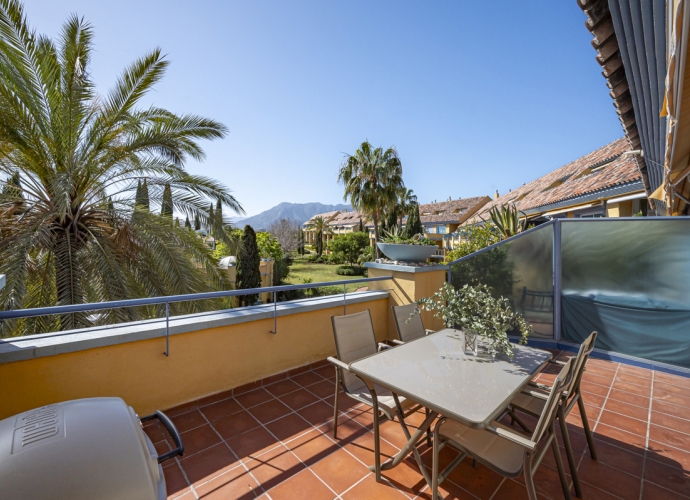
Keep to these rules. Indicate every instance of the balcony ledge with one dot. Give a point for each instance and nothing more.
(51, 344)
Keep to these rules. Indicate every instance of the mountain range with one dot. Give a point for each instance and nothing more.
(296, 212)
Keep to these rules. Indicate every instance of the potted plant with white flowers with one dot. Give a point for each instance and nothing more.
(476, 312)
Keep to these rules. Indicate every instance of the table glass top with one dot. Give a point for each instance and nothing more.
(435, 372)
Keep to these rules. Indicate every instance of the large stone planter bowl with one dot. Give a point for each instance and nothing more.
(407, 253)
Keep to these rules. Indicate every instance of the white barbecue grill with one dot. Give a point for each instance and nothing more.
(91, 448)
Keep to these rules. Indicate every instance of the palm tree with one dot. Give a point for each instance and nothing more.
(406, 201)
(372, 178)
(321, 229)
(81, 157)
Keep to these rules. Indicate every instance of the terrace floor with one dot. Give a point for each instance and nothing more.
(273, 439)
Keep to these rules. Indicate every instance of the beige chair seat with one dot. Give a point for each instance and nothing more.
(384, 396)
(487, 446)
(529, 404)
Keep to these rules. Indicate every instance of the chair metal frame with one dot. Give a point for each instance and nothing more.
(570, 396)
(399, 329)
(533, 453)
(374, 404)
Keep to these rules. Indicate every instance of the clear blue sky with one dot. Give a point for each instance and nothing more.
(476, 96)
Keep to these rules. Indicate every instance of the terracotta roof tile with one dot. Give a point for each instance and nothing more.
(448, 211)
(347, 218)
(326, 216)
(597, 170)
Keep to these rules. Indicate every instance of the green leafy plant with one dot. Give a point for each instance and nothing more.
(350, 245)
(367, 255)
(474, 308)
(350, 271)
(397, 236)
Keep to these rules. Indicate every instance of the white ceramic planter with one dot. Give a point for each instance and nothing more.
(407, 253)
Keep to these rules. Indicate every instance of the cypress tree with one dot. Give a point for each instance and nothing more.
(248, 261)
(186, 223)
(167, 203)
(361, 225)
(197, 224)
(12, 191)
(219, 220)
(111, 205)
(211, 221)
(137, 197)
(414, 224)
(145, 196)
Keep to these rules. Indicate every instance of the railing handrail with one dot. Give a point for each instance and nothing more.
(503, 242)
(117, 304)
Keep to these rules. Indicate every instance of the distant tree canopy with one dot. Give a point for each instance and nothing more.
(350, 245)
(167, 202)
(414, 223)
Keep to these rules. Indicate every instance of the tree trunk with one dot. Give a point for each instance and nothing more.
(376, 234)
(68, 280)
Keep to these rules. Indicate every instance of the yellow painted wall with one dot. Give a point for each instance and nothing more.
(201, 363)
(405, 288)
(622, 209)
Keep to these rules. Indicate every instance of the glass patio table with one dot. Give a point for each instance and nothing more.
(435, 372)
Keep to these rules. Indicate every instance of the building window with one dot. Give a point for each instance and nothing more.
(442, 229)
(430, 229)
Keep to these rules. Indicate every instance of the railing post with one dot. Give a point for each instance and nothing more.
(275, 313)
(344, 300)
(167, 329)
(557, 275)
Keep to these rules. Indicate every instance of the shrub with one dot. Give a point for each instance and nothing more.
(350, 271)
(349, 246)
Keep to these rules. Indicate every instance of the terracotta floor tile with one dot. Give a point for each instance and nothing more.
(289, 427)
(593, 399)
(599, 390)
(163, 447)
(669, 436)
(318, 413)
(627, 409)
(671, 478)
(673, 457)
(635, 370)
(406, 477)
(221, 409)
(304, 484)
(299, 370)
(675, 423)
(188, 421)
(363, 449)
(575, 419)
(364, 415)
(187, 494)
(183, 408)
(175, 482)
(234, 484)
(512, 490)
(370, 489)
(547, 482)
(274, 467)
(644, 380)
(602, 363)
(299, 399)
(608, 478)
(320, 363)
(671, 389)
(246, 388)
(654, 492)
(322, 389)
(274, 378)
(340, 470)
(312, 447)
(618, 458)
(590, 492)
(480, 481)
(199, 439)
(254, 398)
(307, 379)
(668, 378)
(663, 394)
(221, 396)
(283, 387)
(234, 425)
(252, 443)
(327, 372)
(393, 433)
(622, 439)
(269, 411)
(155, 432)
(624, 423)
(626, 397)
(348, 430)
(631, 388)
(600, 370)
(593, 378)
(670, 409)
(209, 463)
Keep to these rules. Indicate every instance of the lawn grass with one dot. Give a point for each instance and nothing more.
(302, 269)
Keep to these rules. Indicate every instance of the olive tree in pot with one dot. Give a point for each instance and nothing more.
(476, 312)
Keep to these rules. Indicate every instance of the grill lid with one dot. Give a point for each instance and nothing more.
(86, 448)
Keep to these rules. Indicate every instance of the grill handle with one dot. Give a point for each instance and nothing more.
(172, 430)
